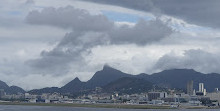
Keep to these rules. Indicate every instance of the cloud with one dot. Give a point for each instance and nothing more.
(146, 5)
(141, 34)
(69, 17)
(199, 60)
(201, 12)
(30, 2)
(82, 22)
(88, 31)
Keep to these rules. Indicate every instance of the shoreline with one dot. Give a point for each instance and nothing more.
(116, 106)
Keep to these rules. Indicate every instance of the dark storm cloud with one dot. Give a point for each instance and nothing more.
(88, 31)
(192, 59)
(200, 12)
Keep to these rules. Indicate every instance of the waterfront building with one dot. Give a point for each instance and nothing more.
(157, 102)
(156, 95)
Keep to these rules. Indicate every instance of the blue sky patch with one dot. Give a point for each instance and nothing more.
(14, 13)
(124, 17)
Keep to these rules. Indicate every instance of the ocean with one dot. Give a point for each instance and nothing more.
(54, 108)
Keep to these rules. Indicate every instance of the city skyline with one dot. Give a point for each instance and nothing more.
(164, 97)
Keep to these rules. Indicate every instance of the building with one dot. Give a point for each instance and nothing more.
(198, 93)
(156, 95)
(157, 102)
(216, 89)
(214, 96)
(2, 93)
(204, 92)
(201, 87)
(190, 87)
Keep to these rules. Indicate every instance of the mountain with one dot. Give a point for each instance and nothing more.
(113, 79)
(45, 90)
(100, 78)
(3, 85)
(15, 90)
(128, 85)
(73, 86)
(105, 76)
(11, 89)
(178, 78)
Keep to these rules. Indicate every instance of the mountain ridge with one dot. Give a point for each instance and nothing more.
(128, 85)
(172, 78)
(11, 89)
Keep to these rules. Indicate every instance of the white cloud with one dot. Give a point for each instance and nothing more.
(191, 59)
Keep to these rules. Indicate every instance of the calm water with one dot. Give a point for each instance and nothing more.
(46, 108)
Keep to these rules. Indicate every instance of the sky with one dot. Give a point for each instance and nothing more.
(46, 43)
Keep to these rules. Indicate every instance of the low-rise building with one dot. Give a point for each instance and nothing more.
(156, 95)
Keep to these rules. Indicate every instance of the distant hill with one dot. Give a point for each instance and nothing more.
(73, 86)
(45, 90)
(11, 89)
(3, 85)
(113, 79)
(178, 78)
(128, 85)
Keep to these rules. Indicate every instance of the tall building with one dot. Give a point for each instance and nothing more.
(204, 92)
(194, 92)
(2, 93)
(190, 87)
(201, 87)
